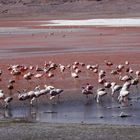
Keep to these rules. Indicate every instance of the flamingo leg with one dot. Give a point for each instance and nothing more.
(98, 97)
(58, 99)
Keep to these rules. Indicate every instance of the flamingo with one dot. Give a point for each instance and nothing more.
(52, 66)
(2, 95)
(74, 67)
(124, 92)
(23, 96)
(89, 86)
(82, 64)
(137, 73)
(100, 92)
(89, 67)
(96, 66)
(115, 88)
(15, 72)
(77, 70)
(108, 63)
(12, 81)
(114, 72)
(45, 64)
(7, 101)
(126, 85)
(0, 72)
(62, 68)
(101, 80)
(126, 62)
(130, 70)
(31, 67)
(28, 76)
(86, 92)
(34, 94)
(120, 68)
(76, 63)
(74, 75)
(135, 82)
(55, 92)
(50, 74)
(23, 68)
(38, 68)
(107, 84)
(92, 67)
(68, 66)
(31, 94)
(101, 74)
(49, 87)
(10, 87)
(125, 78)
(38, 92)
(38, 75)
(95, 70)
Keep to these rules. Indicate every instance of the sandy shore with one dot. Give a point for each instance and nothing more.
(43, 131)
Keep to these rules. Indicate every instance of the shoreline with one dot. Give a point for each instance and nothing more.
(19, 120)
(51, 131)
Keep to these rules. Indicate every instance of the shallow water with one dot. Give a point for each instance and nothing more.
(76, 110)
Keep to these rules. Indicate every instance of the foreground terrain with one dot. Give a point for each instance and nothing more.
(35, 131)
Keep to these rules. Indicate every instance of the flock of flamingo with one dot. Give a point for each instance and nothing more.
(125, 75)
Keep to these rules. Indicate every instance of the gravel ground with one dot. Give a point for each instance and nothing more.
(16, 130)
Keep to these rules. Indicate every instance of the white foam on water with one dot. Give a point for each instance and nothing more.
(115, 22)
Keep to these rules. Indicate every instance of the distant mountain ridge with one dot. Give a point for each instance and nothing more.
(40, 1)
(95, 8)
(33, 1)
